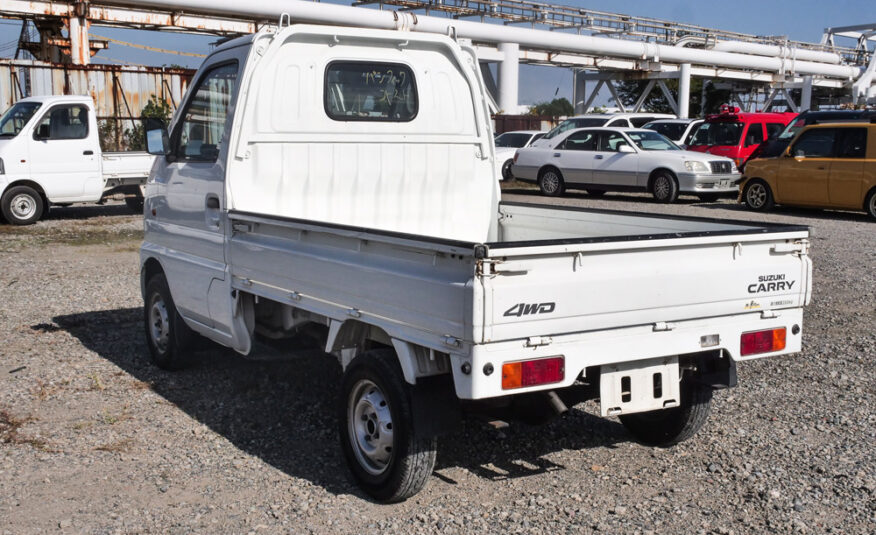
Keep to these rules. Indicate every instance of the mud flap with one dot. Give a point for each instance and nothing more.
(435, 405)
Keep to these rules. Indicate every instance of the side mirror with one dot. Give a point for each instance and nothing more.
(157, 142)
(626, 149)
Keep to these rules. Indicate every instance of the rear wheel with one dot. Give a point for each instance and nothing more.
(870, 204)
(167, 335)
(670, 426)
(22, 205)
(551, 183)
(758, 196)
(664, 187)
(506, 170)
(389, 457)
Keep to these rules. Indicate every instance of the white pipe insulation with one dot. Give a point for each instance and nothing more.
(791, 53)
(323, 13)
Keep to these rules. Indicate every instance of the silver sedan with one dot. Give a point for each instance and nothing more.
(624, 159)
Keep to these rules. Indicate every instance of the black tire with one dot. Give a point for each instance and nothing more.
(758, 196)
(168, 337)
(135, 203)
(667, 427)
(664, 187)
(708, 197)
(870, 204)
(595, 192)
(376, 398)
(22, 205)
(506, 170)
(550, 182)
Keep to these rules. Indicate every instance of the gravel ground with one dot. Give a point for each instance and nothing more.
(95, 440)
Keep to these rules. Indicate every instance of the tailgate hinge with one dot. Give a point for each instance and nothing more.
(797, 248)
(663, 326)
(535, 341)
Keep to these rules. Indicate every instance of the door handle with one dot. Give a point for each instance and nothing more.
(212, 202)
(211, 213)
(599, 156)
(88, 152)
(557, 154)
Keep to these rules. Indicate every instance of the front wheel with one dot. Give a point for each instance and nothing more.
(667, 427)
(758, 196)
(167, 335)
(664, 188)
(387, 455)
(22, 205)
(551, 183)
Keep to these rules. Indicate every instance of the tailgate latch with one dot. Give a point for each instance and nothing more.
(535, 341)
(663, 326)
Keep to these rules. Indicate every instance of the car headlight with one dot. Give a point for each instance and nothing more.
(696, 167)
(734, 168)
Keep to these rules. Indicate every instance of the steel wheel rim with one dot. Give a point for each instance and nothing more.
(756, 196)
(23, 206)
(370, 427)
(159, 323)
(661, 187)
(550, 182)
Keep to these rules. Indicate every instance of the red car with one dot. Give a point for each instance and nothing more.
(736, 135)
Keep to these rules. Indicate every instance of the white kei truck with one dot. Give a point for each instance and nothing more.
(50, 155)
(339, 183)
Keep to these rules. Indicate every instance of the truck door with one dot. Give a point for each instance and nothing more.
(574, 157)
(846, 182)
(804, 172)
(65, 154)
(612, 167)
(189, 209)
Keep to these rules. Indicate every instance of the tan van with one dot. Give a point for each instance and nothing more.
(828, 166)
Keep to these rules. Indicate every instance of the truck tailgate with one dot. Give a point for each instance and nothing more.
(604, 284)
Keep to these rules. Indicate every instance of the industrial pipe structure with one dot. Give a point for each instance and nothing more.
(793, 53)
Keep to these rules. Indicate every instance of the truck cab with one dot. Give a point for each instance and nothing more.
(50, 154)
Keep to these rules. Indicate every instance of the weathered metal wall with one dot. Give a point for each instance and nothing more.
(119, 92)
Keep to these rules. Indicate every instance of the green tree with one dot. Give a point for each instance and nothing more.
(155, 110)
(556, 108)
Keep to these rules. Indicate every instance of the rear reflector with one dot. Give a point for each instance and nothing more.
(533, 372)
(762, 342)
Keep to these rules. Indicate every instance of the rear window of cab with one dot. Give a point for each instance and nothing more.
(370, 91)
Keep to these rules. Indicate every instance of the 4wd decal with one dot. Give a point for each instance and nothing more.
(770, 283)
(524, 309)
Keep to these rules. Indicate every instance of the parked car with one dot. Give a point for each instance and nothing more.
(677, 130)
(372, 226)
(508, 143)
(50, 154)
(774, 147)
(621, 159)
(736, 135)
(588, 120)
(825, 166)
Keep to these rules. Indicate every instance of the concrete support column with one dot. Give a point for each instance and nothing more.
(80, 50)
(684, 91)
(806, 96)
(508, 77)
(579, 92)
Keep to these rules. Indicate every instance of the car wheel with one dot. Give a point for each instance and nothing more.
(506, 170)
(389, 456)
(551, 183)
(870, 204)
(167, 335)
(758, 196)
(22, 205)
(664, 188)
(666, 427)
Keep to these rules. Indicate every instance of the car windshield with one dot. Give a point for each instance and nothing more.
(569, 124)
(651, 141)
(718, 133)
(16, 117)
(791, 130)
(670, 130)
(512, 139)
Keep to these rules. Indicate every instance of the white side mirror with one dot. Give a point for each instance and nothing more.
(626, 149)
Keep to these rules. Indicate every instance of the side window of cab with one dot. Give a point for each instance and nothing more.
(67, 121)
(200, 134)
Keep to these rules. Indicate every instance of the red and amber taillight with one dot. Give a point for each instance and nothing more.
(756, 342)
(535, 372)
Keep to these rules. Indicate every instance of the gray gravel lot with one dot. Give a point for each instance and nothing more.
(95, 440)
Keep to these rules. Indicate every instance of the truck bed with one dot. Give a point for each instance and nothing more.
(125, 165)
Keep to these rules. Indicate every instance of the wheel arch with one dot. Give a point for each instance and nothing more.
(31, 184)
(151, 267)
(547, 166)
(654, 172)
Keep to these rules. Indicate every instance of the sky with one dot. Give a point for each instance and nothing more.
(802, 20)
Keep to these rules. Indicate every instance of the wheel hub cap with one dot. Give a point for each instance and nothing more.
(159, 324)
(661, 187)
(756, 196)
(370, 427)
(23, 206)
(550, 182)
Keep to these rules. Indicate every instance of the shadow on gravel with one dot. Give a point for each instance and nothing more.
(805, 213)
(284, 412)
(87, 211)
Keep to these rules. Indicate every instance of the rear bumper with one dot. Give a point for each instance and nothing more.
(582, 350)
(526, 173)
(709, 183)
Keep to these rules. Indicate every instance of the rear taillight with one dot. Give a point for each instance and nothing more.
(525, 373)
(757, 342)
